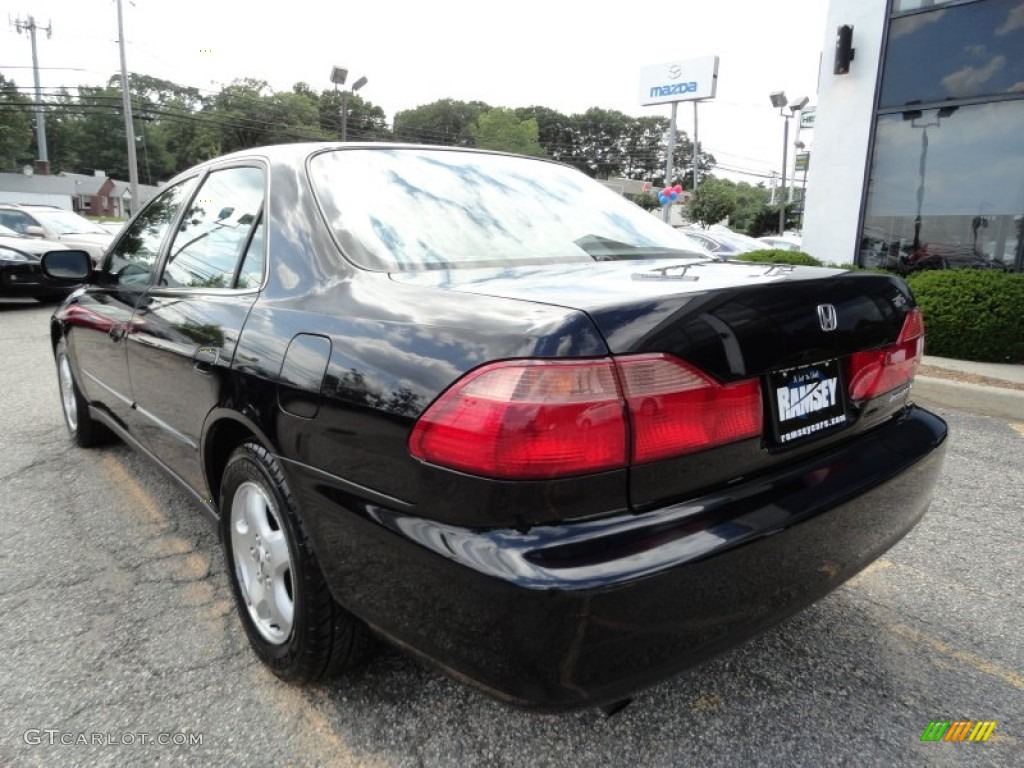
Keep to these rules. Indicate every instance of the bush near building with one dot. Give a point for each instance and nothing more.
(774, 256)
(972, 314)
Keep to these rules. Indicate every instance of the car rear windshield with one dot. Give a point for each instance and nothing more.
(414, 209)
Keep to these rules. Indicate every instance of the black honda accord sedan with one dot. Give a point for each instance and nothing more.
(480, 406)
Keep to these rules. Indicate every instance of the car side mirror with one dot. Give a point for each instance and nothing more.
(34, 230)
(67, 266)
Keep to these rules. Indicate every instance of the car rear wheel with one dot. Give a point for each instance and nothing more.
(288, 613)
(85, 431)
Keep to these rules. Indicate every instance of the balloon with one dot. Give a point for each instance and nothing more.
(666, 191)
(678, 188)
(662, 199)
(674, 194)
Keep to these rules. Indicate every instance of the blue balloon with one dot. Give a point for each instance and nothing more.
(662, 199)
(674, 194)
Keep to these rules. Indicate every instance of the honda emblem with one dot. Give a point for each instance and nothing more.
(827, 317)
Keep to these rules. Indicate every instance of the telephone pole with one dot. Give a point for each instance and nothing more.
(30, 26)
(129, 125)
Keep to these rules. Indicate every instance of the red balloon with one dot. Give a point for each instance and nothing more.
(666, 191)
(678, 188)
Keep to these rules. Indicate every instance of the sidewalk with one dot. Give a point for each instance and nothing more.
(989, 389)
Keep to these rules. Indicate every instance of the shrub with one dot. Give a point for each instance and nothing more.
(773, 256)
(972, 314)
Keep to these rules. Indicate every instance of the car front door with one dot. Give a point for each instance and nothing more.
(183, 334)
(97, 321)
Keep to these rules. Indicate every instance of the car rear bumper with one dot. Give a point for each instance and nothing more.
(587, 613)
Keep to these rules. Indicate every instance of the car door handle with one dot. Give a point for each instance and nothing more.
(205, 359)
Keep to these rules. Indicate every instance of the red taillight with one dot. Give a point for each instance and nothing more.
(882, 370)
(537, 419)
(676, 409)
(527, 419)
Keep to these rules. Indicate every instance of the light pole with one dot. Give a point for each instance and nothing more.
(338, 77)
(912, 116)
(779, 100)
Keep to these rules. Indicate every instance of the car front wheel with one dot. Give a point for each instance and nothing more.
(289, 615)
(84, 430)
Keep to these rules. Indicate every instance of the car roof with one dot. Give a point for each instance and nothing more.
(301, 150)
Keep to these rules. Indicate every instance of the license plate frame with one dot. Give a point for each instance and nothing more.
(807, 402)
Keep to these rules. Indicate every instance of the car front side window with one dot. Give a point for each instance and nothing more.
(130, 263)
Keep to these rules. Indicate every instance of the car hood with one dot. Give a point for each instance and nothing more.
(31, 245)
(87, 238)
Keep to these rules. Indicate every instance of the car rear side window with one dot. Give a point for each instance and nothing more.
(250, 275)
(131, 261)
(215, 231)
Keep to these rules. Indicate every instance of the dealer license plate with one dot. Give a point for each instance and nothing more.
(807, 402)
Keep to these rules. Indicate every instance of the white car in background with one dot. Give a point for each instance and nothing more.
(51, 223)
(782, 242)
(31, 245)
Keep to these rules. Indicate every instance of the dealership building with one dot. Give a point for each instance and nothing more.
(918, 156)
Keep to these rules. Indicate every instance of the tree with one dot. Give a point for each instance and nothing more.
(713, 201)
(366, 121)
(15, 126)
(441, 122)
(750, 202)
(500, 129)
(555, 132)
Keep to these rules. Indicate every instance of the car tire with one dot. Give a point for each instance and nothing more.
(289, 615)
(85, 431)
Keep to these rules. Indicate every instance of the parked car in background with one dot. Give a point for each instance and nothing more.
(113, 227)
(781, 242)
(472, 403)
(722, 244)
(34, 245)
(21, 275)
(51, 223)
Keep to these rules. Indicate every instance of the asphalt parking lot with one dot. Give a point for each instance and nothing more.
(121, 632)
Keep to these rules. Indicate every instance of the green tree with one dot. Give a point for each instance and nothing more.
(713, 201)
(500, 129)
(750, 202)
(366, 121)
(15, 127)
(441, 122)
(555, 131)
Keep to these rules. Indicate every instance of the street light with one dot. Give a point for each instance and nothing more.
(780, 102)
(338, 77)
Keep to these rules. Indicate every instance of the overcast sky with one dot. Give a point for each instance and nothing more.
(565, 54)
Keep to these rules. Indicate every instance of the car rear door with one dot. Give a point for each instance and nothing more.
(185, 327)
(98, 320)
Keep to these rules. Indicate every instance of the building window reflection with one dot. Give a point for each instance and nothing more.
(947, 189)
(957, 52)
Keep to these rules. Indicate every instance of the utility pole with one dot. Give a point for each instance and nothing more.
(129, 127)
(31, 27)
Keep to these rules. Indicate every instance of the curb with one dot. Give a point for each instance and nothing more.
(975, 398)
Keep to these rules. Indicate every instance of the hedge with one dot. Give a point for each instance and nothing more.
(972, 314)
(775, 256)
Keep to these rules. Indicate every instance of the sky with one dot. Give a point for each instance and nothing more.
(568, 55)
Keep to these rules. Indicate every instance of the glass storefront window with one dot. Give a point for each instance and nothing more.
(899, 6)
(947, 189)
(956, 52)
